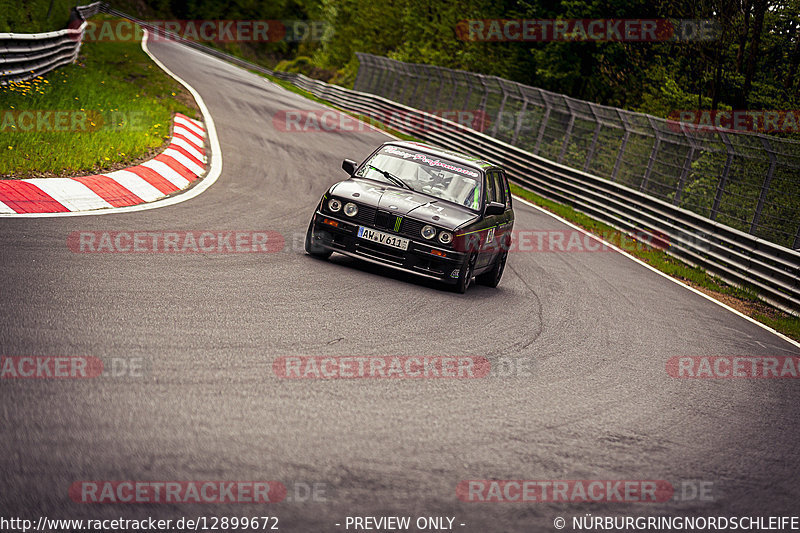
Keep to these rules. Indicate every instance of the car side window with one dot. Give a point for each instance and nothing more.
(499, 188)
(491, 193)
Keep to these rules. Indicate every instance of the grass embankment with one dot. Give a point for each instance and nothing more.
(118, 106)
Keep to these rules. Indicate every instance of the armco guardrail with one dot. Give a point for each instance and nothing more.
(735, 256)
(24, 56)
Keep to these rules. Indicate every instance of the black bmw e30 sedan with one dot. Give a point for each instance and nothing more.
(419, 209)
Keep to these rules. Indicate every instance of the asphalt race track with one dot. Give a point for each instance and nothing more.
(595, 329)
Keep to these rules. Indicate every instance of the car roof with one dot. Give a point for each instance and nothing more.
(456, 157)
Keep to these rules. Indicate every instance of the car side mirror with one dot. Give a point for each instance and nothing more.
(349, 166)
(494, 208)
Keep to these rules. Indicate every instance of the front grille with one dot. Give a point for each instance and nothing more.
(365, 215)
(386, 220)
(412, 228)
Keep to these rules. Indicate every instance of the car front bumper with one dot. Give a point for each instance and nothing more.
(418, 259)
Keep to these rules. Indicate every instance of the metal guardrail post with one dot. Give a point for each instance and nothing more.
(485, 95)
(653, 156)
(622, 146)
(723, 180)
(406, 74)
(545, 119)
(568, 133)
(765, 186)
(499, 116)
(385, 80)
(469, 92)
(413, 82)
(361, 74)
(687, 164)
(440, 90)
(393, 82)
(593, 145)
(520, 118)
(373, 72)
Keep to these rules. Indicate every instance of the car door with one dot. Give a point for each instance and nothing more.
(488, 248)
(505, 222)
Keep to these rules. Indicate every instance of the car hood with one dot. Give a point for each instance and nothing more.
(404, 202)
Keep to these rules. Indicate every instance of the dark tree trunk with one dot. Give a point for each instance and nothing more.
(746, 7)
(759, 7)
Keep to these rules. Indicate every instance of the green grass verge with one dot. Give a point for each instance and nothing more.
(118, 106)
(787, 325)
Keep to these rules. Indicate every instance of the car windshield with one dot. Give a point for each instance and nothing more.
(425, 173)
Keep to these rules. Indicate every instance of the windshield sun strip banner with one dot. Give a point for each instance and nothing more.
(419, 157)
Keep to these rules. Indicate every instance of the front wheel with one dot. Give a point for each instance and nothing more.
(492, 277)
(465, 276)
(315, 250)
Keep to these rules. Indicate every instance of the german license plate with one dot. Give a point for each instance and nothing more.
(383, 238)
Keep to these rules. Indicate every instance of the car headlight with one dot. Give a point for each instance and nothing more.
(334, 205)
(445, 237)
(429, 232)
(350, 209)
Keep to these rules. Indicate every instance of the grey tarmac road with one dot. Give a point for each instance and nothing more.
(597, 329)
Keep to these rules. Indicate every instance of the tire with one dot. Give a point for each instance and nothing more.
(465, 276)
(315, 250)
(492, 277)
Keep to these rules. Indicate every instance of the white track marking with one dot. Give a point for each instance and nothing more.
(5, 209)
(189, 134)
(70, 193)
(167, 172)
(183, 160)
(189, 124)
(137, 185)
(189, 147)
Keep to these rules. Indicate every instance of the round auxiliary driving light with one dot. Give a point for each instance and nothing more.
(445, 237)
(429, 232)
(334, 205)
(350, 209)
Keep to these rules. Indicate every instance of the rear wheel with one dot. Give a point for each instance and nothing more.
(465, 276)
(492, 277)
(315, 250)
